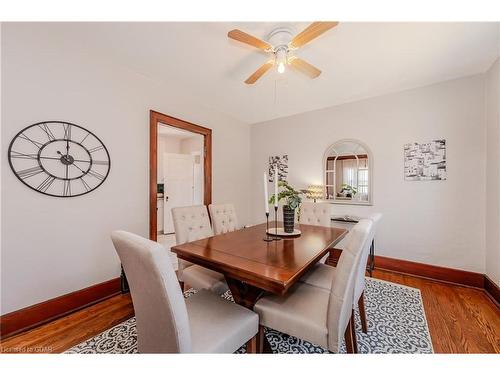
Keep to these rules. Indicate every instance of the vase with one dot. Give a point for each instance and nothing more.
(288, 219)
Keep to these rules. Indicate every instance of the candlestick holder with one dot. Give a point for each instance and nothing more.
(267, 238)
(276, 238)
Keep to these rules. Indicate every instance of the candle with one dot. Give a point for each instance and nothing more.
(275, 186)
(266, 194)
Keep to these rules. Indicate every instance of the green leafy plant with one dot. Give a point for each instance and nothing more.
(350, 190)
(289, 194)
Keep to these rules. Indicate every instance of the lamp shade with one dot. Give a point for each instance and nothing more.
(315, 192)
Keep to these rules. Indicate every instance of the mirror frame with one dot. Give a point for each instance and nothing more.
(370, 173)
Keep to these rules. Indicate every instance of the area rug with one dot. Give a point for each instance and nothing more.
(396, 324)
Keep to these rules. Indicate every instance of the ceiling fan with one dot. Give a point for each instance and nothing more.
(281, 43)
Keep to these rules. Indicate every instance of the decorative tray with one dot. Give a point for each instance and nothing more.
(281, 232)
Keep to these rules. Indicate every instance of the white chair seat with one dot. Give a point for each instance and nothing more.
(202, 278)
(218, 325)
(302, 312)
(320, 275)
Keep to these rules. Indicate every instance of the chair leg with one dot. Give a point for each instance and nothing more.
(348, 338)
(252, 345)
(260, 339)
(354, 339)
(362, 313)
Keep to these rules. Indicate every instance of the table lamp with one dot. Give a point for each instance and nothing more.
(315, 192)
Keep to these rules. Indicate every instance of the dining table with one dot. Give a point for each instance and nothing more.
(253, 266)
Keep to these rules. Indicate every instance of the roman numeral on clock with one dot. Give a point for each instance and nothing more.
(20, 155)
(47, 131)
(30, 172)
(96, 175)
(85, 185)
(26, 138)
(67, 131)
(45, 184)
(100, 162)
(91, 150)
(67, 188)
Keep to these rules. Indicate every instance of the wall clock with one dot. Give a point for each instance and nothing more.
(59, 159)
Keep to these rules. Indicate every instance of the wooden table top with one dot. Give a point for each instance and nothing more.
(272, 266)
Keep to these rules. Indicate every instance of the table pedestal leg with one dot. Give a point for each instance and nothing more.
(244, 294)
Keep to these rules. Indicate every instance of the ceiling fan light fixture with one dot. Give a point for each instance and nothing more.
(281, 68)
(281, 58)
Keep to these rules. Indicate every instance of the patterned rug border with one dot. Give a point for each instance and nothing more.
(391, 283)
(421, 302)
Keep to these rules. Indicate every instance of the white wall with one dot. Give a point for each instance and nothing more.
(52, 246)
(434, 222)
(166, 144)
(493, 173)
(192, 144)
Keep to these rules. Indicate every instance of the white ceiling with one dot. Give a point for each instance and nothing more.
(358, 60)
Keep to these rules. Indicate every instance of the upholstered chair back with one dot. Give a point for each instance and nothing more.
(190, 224)
(160, 309)
(223, 218)
(315, 214)
(342, 290)
(360, 273)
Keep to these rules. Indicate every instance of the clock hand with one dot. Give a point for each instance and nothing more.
(48, 157)
(64, 156)
(74, 165)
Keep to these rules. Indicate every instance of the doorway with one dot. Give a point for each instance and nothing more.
(180, 170)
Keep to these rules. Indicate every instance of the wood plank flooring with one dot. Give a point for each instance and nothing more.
(461, 320)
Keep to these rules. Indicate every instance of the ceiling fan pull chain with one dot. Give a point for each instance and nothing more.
(275, 91)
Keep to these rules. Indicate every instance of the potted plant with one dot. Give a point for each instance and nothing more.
(292, 201)
(348, 190)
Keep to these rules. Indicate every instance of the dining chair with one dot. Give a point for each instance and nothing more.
(223, 217)
(166, 321)
(190, 224)
(312, 213)
(321, 275)
(320, 316)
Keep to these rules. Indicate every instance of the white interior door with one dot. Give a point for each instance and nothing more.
(178, 172)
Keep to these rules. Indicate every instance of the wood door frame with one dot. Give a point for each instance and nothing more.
(154, 119)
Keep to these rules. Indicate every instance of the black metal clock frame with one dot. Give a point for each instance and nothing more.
(64, 158)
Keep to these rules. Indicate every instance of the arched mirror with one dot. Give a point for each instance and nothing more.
(347, 167)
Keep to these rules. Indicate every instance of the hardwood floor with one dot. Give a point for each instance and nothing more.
(63, 333)
(461, 320)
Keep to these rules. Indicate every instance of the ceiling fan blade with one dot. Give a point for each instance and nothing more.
(243, 37)
(305, 67)
(311, 32)
(259, 72)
